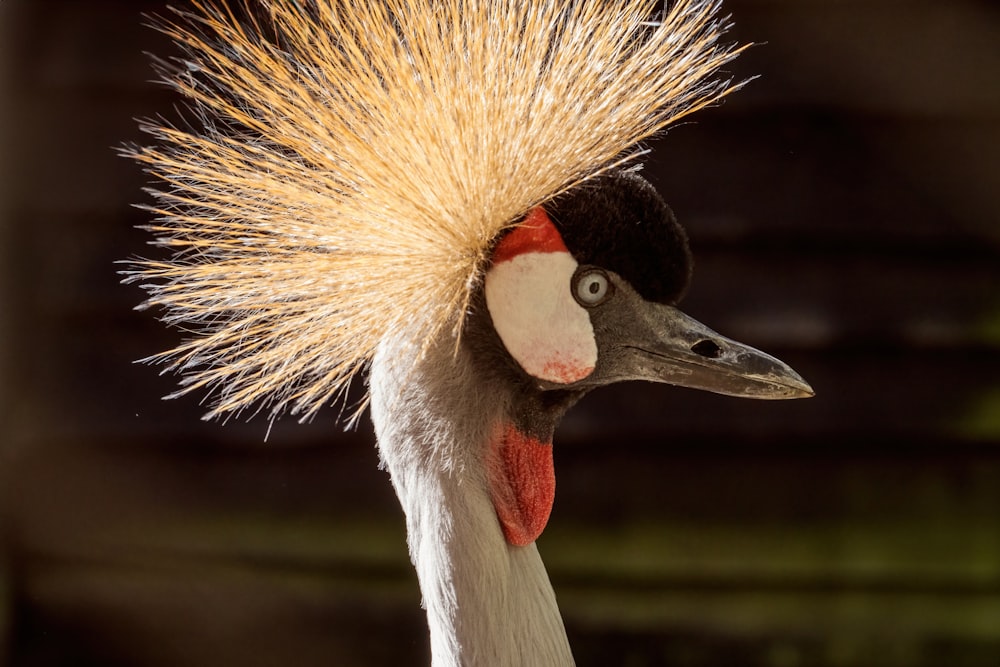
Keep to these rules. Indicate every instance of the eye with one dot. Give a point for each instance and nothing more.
(591, 287)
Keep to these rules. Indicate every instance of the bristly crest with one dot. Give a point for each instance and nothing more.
(354, 161)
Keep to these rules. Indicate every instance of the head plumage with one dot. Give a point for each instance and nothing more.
(352, 163)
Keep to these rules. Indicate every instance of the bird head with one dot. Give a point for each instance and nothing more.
(584, 293)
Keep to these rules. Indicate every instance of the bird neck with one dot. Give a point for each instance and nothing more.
(488, 602)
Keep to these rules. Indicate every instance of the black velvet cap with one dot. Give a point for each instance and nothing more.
(620, 223)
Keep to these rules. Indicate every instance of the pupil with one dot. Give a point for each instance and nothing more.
(595, 287)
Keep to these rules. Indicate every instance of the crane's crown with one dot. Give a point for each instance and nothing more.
(346, 169)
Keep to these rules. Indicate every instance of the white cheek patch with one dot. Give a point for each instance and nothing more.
(540, 323)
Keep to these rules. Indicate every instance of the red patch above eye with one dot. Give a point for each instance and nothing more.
(535, 234)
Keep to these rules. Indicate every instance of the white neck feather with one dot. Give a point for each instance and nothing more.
(488, 603)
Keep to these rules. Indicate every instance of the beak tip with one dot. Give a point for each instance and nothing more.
(796, 387)
(783, 385)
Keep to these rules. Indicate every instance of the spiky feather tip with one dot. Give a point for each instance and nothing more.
(352, 163)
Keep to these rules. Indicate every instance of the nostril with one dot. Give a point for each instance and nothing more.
(707, 348)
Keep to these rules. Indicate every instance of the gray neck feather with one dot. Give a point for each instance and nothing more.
(488, 603)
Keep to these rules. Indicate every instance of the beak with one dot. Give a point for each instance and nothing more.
(661, 344)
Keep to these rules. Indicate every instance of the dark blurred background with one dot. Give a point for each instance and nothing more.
(844, 211)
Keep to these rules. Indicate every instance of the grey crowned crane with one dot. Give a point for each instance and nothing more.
(439, 193)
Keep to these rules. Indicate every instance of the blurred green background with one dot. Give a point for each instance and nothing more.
(844, 211)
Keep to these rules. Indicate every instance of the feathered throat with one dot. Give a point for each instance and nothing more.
(350, 165)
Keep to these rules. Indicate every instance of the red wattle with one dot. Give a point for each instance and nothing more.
(522, 484)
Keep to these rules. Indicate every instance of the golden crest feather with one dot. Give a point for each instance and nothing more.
(353, 163)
